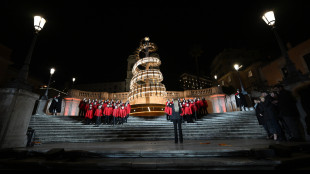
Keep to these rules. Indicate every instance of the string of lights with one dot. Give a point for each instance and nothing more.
(146, 80)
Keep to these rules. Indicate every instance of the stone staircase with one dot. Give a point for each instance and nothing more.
(70, 129)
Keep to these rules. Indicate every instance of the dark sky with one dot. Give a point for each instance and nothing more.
(92, 40)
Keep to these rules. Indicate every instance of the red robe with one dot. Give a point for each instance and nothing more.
(116, 112)
(82, 104)
(193, 107)
(128, 108)
(167, 108)
(122, 113)
(188, 110)
(98, 112)
(182, 112)
(108, 111)
(89, 113)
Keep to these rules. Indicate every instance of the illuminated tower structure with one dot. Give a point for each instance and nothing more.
(147, 94)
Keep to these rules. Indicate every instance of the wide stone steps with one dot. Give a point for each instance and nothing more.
(60, 129)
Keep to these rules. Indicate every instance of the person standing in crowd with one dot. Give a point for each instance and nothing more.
(82, 108)
(122, 114)
(205, 106)
(98, 115)
(108, 113)
(167, 110)
(128, 109)
(115, 115)
(193, 108)
(89, 114)
(240, 100)
(176, 119)
(188, 113)
(268, 113)
(289, 114)
(55, 106)
(259, 115)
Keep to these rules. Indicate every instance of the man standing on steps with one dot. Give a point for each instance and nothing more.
(176, 119)
(55, 106)
(240, 100)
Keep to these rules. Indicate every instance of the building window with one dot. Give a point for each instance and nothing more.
(250, 74)
(229, 79)
(223, 83)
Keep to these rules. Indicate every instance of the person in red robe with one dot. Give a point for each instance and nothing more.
(122, 114)
(167, 108)
(108, 113)
(128, 109)
(82, 108)
(89, 114)
(188, 113)
(98, 115)
(194, 109)
(115, 115)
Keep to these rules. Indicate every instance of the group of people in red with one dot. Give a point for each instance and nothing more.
(191, 109)
(104, 112)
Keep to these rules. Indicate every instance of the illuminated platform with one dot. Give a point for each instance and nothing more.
(147, 110)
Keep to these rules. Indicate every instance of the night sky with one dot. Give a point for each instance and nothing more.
(91, 40)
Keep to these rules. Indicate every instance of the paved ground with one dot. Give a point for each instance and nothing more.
(243, 154)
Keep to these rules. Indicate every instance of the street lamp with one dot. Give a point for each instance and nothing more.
(21, 81)
(45, 97)
(237, 67)
(216, 83)
(293, 75)
(73, 80)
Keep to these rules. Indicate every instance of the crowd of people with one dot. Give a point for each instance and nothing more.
(104, 111)
(191, 109)
(277, 112)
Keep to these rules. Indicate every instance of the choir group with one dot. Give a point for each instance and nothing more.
(116, 112)
(191, 109)
(104, 112)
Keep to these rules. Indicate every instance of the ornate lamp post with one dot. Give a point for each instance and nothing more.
(237, 67)
(45, 97)
(21, 81)
(293, 75)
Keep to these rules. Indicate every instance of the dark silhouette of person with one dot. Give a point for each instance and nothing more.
(177, 120)
(240, 100)
(55, 106)
(289, 114)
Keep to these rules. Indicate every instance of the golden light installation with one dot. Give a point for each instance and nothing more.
(146, 89)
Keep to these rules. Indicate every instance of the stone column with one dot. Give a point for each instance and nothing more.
(16, 109)
(218, 103)
(41, 107)
(71, 106)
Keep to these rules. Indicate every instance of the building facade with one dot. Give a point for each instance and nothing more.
(261, 75)
(192, 82)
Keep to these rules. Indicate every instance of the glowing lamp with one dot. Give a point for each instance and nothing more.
(237, 67)
(215, 77)
(147, 39)
(73, 79)
(269, 18)
(39, 23)
(52, 71)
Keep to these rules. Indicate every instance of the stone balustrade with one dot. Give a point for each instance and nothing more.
(217, 101)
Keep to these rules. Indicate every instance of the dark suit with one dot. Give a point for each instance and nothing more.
(177, 124)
